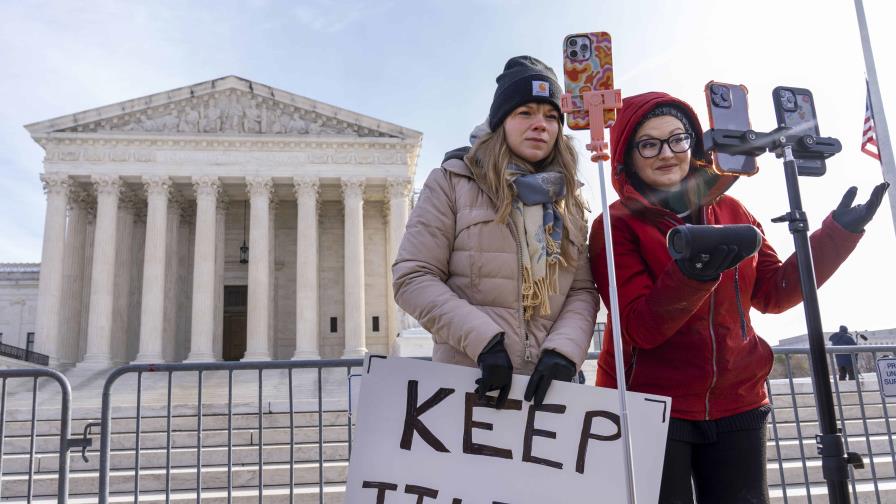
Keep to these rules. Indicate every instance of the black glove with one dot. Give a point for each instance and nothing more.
(497, 371)
(855, 218)
(551, 366)
(709, 267)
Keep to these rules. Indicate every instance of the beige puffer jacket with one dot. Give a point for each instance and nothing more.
(458, 272)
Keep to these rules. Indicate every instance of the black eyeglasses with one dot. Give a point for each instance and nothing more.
(651, 147)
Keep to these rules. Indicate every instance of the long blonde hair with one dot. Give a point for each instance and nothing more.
(490, 157)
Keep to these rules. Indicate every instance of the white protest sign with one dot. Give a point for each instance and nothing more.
(886, 373)
(424, 437)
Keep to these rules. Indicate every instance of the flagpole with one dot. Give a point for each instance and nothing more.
(887, 164)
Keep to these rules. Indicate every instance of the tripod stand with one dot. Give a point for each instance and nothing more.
(835, 460)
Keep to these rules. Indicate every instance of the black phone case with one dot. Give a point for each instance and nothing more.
(803, 119)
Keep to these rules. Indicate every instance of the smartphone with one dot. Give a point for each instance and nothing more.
(795, 108)
(728, 109)
(587, 66)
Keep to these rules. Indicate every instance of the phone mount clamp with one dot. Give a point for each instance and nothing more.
(594, 103)
(791, 145)
(753, 143)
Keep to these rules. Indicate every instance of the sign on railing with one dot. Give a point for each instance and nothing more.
(886, 373)
(423, 432)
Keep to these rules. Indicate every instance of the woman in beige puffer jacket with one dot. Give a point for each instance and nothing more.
(493, 261)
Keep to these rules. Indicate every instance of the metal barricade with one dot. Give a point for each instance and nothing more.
(65, 443)
(251, 411)
(863, 415)
(201, 370)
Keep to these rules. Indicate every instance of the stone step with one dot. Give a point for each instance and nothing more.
(807, 430)
(864, 493)
(183, 478)
(184, 439)
(180, 457)
(810, 413)
(785, 400)
(793, 470)
(182, 422)
(790, 448)
(301, 494)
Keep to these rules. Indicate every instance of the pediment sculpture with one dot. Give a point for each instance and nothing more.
(228, 112)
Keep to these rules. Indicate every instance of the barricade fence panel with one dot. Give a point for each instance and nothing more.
(35, 428)
(282, 431)
(261, 431)
(864, 417)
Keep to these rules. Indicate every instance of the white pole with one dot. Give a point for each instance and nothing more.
(617, 339)
(887, 164)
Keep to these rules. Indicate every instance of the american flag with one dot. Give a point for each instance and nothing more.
(869, 142)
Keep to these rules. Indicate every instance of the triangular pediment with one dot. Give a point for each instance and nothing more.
(229, 106)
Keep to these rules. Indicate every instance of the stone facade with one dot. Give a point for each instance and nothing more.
(18, 302)
(150, 200)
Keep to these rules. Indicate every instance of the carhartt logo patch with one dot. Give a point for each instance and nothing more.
(541, 88)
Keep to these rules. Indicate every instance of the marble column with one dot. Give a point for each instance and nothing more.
(220, 241)
(49, 291)
(306, 190)
(89, 241)
(272, 278)
(257, 347)
(353, 200)
(152, 307)
(102, 290)
(125, 241)
(202, 324)
(173, 282)
(73, 278)
(397, 192)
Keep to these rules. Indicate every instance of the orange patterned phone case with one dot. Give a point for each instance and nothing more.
(587, 66)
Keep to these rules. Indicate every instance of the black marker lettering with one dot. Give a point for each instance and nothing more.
(421, 492)
(474, 401)
(412, 421)
(587, 435)
(381, 489)
(531, 432)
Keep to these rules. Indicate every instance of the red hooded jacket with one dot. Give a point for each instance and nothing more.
(684, 338)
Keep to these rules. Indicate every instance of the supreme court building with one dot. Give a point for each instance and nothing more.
(149, 204)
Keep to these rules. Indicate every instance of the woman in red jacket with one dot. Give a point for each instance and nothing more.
(686, 327)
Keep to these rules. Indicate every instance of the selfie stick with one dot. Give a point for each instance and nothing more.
(595, 102)
(835, 461)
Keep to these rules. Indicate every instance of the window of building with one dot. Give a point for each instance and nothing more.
(598, 336)
(332, 324)
(376, 324)
(29, 345)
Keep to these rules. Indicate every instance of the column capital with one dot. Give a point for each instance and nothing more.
(398, 187)
(306, 187)
(78, 198)
(157, 185)
(259, 187)
(106, 184)
(206, 187)
(353, 187)
(55, 183)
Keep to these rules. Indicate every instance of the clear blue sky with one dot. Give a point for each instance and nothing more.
(431, 66)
